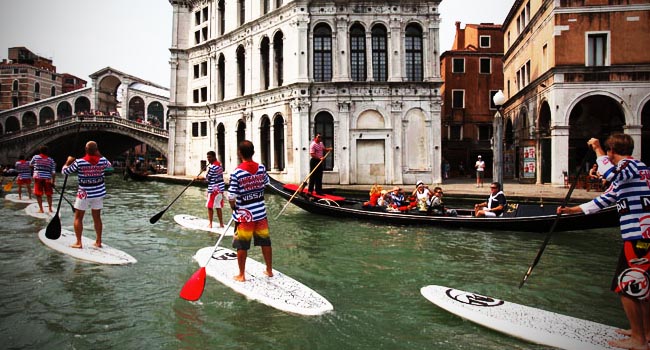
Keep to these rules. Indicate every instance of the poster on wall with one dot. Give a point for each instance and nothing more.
(529, 160)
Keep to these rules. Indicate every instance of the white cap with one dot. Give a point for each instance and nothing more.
(479, 156)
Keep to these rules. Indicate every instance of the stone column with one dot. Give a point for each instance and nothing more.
(300, 137)
(342, 148)
(302, 38)
(369, 66)
(395, 50)
(635, 132)
(340, 50)
(559, 148)
(271, 65)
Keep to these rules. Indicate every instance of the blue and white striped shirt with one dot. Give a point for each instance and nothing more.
(23, 169)
(215, 178)
(44, 166)
(630, 191)
(247, 189)
(91, 175)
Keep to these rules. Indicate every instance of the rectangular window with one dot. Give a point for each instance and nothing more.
(458, 99)
(379, 56)
(204, 94)
(485, 65)
(204, 68)
(195, 96)
(195, 129)
(455, 132)
(358, 57)
(205, 14)
(484, 132)
(204, 128)
(597, 49)
(242, 11)
(458, 65)
(197, 37)
(196, 71)
(37, 73)
(322, 58)
(484, 41)
(197, 18)
(204, 30)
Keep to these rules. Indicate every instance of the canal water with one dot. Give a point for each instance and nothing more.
(371, 273)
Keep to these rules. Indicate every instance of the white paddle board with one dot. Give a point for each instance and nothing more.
(33, 210)
(280, 291)
(193, 222)
(13, 197)
(105, 255)
(524, 322)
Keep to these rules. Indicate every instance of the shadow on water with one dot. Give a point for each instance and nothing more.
(371, 273)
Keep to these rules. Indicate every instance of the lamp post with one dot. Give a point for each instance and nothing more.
(497, 139)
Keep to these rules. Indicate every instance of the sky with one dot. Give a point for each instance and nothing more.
(134, 36)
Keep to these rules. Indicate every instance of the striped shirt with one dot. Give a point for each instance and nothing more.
(215, 178)
(630, 191)
(91, 175)
(316, 149)
(44, 166)
(23, 169)
(247, 190)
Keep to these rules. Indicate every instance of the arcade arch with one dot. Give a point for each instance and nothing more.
(45, 116)
(136, 108)
(82, 105)
(107, 94)
(29, 120)
(63, 110)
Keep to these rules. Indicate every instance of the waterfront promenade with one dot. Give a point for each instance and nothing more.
(463, 187)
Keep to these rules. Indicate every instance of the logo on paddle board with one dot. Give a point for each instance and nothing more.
(473, 298)
(224, 255)
(634, 283)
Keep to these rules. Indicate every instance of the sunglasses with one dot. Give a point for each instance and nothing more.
(492, 187)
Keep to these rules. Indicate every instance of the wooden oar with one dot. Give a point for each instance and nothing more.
(302, 185)
(157, 217)
(10, 184)
(71, 205)
(193, 288)
(557, 218)
(53, 229)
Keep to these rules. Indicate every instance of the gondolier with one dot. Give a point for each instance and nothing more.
(316, 149)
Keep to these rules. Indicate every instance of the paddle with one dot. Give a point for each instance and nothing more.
(10, 184)
(157, 217)
(193, 288)
(302, 185)
(71, 206)
(557, 218)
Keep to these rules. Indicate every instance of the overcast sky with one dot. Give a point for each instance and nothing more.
(133, 36)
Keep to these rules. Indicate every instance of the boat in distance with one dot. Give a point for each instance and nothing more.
(517, 217)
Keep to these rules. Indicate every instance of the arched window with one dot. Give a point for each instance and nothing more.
(264, 53)
(241, 131)
(265, 141)
(358, 53)
(221, 68)
(322, 53)
(221, 7)
(37, 88)
(278, 142)
(241, 70)
(413, 53)
(379, 53)
(14, 86)
(324, 125)
(278, 51)
(221, 144)
(241, 5)
(53, 91)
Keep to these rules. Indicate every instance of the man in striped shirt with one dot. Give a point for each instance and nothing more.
(44, 170)
(630, 191)
(216, 187)
(246, 197)
(316, 165)
(91, 191)
(24, 177)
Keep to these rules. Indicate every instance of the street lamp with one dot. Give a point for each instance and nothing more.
(497, 139)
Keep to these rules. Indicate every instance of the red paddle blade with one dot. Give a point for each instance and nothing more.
(193, 288)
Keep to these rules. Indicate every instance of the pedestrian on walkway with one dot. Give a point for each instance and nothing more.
(480, 171)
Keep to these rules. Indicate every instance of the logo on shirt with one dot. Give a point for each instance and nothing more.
(623, 207)
(645, 203)
(244, 215)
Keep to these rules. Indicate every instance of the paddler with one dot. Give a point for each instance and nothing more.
(44, 174)
(216, 188)
(91, 191)
(24, 177)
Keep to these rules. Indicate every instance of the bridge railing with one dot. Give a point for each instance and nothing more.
(73, 120)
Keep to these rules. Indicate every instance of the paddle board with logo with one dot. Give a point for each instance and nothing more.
(105, 255)
(13, 197)
(193, 222)
(524, 322)
(280, 291)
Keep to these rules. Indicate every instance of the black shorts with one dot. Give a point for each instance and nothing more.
(631, 277)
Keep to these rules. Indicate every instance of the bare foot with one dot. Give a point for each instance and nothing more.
(625, 332)
(98, 244)
(41, 211)
(209, 225)
(76, 245)
(240, 278)
(628, 343)
(268, 273)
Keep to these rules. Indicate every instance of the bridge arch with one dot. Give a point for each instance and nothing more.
(63, 110)
(46, 115)
(156, 114)
(12, 124)
(136, 108)
(109, 93)
(29, 120)
(82, 105)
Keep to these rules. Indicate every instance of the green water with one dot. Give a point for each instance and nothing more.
(371, 273)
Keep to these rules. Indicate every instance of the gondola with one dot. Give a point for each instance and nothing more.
(135, 175)
(518, 217)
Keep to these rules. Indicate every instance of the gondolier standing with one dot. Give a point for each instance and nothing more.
(316, 149)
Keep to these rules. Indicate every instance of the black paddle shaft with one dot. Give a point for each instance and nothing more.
(557, 218)
(157, 217)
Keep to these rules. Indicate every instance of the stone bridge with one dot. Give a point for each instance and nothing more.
(67, 136)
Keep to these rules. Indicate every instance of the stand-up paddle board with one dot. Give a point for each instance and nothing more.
(33, 210)
(524, 322)
(105, 255)
(280, 291)
(13, 197)
(189, 221)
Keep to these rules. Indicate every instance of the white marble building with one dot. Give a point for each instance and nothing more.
(365, 74)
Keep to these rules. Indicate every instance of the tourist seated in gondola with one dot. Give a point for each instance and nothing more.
(494, 205)
(397, 202)
(422, 196)
(384, 199)
(437, 207)
(375, 194)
